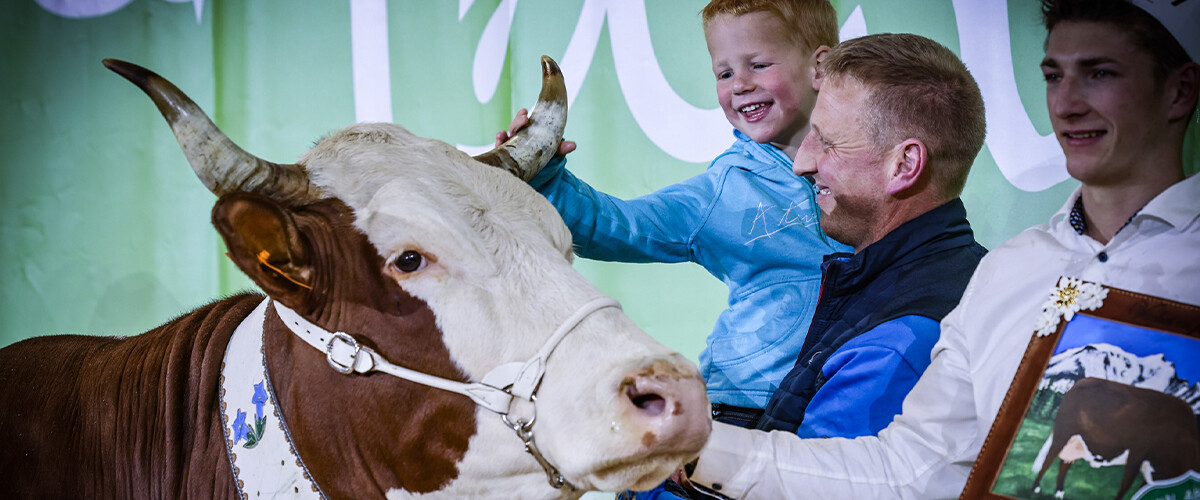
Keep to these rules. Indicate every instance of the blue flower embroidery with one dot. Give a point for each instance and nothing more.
(240, 430)
(260, 398)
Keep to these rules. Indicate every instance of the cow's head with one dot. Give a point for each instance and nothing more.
(443, 264)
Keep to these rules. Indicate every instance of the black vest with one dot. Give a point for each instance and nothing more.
(920, 268)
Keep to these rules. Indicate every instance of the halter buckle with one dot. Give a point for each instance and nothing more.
(344, 369)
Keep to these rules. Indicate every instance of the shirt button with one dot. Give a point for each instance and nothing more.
(1103, 257)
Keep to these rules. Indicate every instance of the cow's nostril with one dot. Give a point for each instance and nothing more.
(649, 403)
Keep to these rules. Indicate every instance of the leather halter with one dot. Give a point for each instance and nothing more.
(495, 391)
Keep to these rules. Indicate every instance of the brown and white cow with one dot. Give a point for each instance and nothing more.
(396, 253)
(1110, 423)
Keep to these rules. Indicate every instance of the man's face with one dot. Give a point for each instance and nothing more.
(1103, 100)
(764, 81)
(850, 178)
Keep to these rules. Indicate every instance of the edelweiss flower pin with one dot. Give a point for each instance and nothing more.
(1069, 296)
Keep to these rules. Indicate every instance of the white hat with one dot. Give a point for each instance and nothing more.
(1181, 18)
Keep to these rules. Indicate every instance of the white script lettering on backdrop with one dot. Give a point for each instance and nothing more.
(1028, 160)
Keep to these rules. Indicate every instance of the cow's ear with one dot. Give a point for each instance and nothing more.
(265, 243)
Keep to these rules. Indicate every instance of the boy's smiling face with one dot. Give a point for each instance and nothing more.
(764, 80)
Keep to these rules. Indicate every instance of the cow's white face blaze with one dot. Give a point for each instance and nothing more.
(615, 409)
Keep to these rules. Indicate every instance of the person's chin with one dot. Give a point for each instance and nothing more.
(759, 131)
(825, 203)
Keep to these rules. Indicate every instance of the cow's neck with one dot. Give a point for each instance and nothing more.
(362, 434)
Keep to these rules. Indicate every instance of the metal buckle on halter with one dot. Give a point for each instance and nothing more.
(343, 369)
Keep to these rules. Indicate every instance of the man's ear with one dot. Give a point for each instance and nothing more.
(908, 162)
(265, 243)
(817, 73)
(1184, 97)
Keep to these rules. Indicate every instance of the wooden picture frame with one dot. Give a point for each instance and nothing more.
(1077, 379)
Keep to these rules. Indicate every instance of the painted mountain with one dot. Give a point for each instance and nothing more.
(1113, 363)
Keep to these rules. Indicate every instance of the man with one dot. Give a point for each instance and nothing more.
(1121, 91)
(887, 185)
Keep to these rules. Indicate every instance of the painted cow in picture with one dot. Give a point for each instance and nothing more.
(423, 334)
(1110, 423)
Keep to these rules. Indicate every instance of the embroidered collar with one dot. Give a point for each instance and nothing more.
(260, 448)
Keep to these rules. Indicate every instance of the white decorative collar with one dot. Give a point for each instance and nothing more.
(260, 448)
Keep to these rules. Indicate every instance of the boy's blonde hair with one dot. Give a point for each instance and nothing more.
(917, 89)
(815, 21)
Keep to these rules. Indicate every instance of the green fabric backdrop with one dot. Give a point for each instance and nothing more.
(105, 230)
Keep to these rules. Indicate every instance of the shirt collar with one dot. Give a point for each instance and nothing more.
(771, 157)
(1079, 222)
(943, 227)
(1178, 206)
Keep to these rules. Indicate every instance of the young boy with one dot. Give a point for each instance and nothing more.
(764, 57)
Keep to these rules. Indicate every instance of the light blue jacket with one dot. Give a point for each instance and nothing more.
(750, 222)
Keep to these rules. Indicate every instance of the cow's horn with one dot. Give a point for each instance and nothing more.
(532, 147)
(221, 165)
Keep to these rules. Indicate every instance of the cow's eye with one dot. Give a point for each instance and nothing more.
(410, 261)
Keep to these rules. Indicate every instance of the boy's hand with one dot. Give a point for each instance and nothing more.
(519, 122)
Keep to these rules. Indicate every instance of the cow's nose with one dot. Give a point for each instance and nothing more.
(666, 405)
(646, 395)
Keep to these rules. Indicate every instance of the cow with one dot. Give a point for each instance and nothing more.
(421, 333)
(1111, 423)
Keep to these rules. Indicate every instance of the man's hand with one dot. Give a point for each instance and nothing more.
(519, 122)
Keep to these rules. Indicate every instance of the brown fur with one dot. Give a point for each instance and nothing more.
(102, 417)
(138, 417)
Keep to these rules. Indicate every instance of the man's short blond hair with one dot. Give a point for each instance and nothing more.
(815, 21)
(917, 89)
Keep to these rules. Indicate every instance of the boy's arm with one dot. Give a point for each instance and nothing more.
(657, 227)
(867, 379)
(652, 228)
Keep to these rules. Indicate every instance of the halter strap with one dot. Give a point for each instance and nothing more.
(346, 355)
(495, 391)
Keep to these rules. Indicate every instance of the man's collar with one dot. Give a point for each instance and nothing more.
(1177, 205)
(945, 226)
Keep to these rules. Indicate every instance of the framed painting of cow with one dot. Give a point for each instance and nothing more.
(1110, 378)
